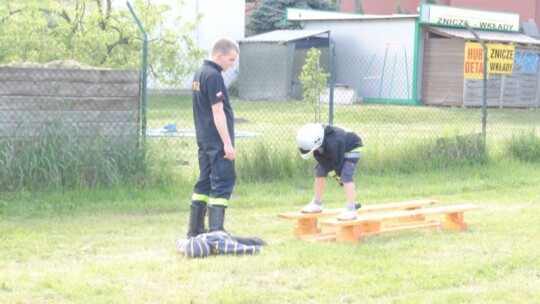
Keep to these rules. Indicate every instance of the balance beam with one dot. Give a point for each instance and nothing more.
(354, 231)
(307, 223)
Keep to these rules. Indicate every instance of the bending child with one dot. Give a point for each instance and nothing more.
(337, 152)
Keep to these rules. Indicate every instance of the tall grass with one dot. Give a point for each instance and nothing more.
(265, 162)
(454, 151)
(62, 158)
(397, 139)
(525, 147)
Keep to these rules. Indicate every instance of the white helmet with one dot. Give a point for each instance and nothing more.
(309, 138)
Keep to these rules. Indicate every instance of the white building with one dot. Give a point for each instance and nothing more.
(219, 18)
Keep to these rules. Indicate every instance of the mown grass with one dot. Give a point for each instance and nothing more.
(104, 254)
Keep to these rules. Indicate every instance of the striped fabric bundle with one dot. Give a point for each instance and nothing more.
(218, 242)
(221, 242)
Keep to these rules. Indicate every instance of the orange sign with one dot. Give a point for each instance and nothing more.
(474, 61)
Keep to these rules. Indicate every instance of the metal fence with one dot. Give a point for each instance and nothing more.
(371, 95)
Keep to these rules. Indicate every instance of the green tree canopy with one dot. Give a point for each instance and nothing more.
(96, 33)
(270, 14)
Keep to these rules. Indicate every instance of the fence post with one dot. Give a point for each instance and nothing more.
(331, 86)
(484, 91)
(144, 70)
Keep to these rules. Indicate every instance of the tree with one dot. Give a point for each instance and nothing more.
(397, 8)
(270, 14)
(96, 33)
(358, 7)
(313, 79)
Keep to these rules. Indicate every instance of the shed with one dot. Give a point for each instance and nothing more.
(443, 72)
(271, 63)
(374, 54)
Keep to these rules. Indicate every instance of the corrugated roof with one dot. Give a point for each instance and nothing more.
(484, 35)
(283, 36)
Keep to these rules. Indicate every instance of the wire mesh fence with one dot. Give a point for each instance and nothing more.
(371, 95)
(69, 97)
(376, 96)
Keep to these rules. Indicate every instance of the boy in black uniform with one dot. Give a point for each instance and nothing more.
(214, 128)
(337, 152)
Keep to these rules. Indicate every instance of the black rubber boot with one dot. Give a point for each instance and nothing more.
(216, 217)
(196, 219)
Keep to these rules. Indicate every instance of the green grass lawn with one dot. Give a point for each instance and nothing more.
(118, 246)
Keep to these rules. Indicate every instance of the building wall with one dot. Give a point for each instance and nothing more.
(443, 72)
(219, 18)
(373, 56)
(527, 9)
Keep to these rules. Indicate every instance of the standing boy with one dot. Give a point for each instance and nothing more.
(214, 128)
(337, 152)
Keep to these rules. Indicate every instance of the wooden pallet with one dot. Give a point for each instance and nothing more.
(307, 223)
(367, 224)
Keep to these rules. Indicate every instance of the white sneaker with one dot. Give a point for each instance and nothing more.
(311, 208)
(347, 215)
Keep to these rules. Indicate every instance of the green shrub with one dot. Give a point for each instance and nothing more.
(525, 147)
